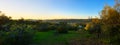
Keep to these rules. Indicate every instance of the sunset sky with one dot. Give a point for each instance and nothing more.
(52, 9)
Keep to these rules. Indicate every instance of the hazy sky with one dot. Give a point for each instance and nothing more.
(52, 9)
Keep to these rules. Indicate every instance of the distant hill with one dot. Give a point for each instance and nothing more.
(68, 20)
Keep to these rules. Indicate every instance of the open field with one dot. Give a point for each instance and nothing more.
(51, 38)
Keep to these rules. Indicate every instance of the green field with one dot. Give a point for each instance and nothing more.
(51, 38)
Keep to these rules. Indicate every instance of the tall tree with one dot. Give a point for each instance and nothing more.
(110, 16)
(4, 19)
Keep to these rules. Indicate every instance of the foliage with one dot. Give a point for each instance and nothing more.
(18, 35)
(43, 27)
(4, 19)
(94, 25)
(110, 18)
(62, 28)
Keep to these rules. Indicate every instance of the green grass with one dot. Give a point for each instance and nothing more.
(50, 38)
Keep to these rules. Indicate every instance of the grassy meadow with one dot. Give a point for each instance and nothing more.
(51, 38)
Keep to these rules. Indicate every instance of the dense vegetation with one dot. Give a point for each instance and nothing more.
(97, 31)
(22, 32)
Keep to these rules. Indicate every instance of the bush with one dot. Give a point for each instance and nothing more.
(62, 28)
(42, 27)
(73, 27)
(112, 33)
(93, 28)
(19, 35)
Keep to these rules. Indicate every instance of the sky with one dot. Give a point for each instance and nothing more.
(53, 9)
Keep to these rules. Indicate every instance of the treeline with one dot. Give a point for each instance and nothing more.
(38, 25)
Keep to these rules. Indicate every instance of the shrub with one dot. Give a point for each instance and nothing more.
(88, 26)
(73, 27)
(62, 28)
(93, 28)
(42, 27)
(19, 35)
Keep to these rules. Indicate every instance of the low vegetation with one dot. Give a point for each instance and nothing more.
(98, 31)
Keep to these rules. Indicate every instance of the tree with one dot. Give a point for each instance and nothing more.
(3, 20)
(94, 27)
(110, 18)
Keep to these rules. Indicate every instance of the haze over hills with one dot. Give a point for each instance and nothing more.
(68, 20)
